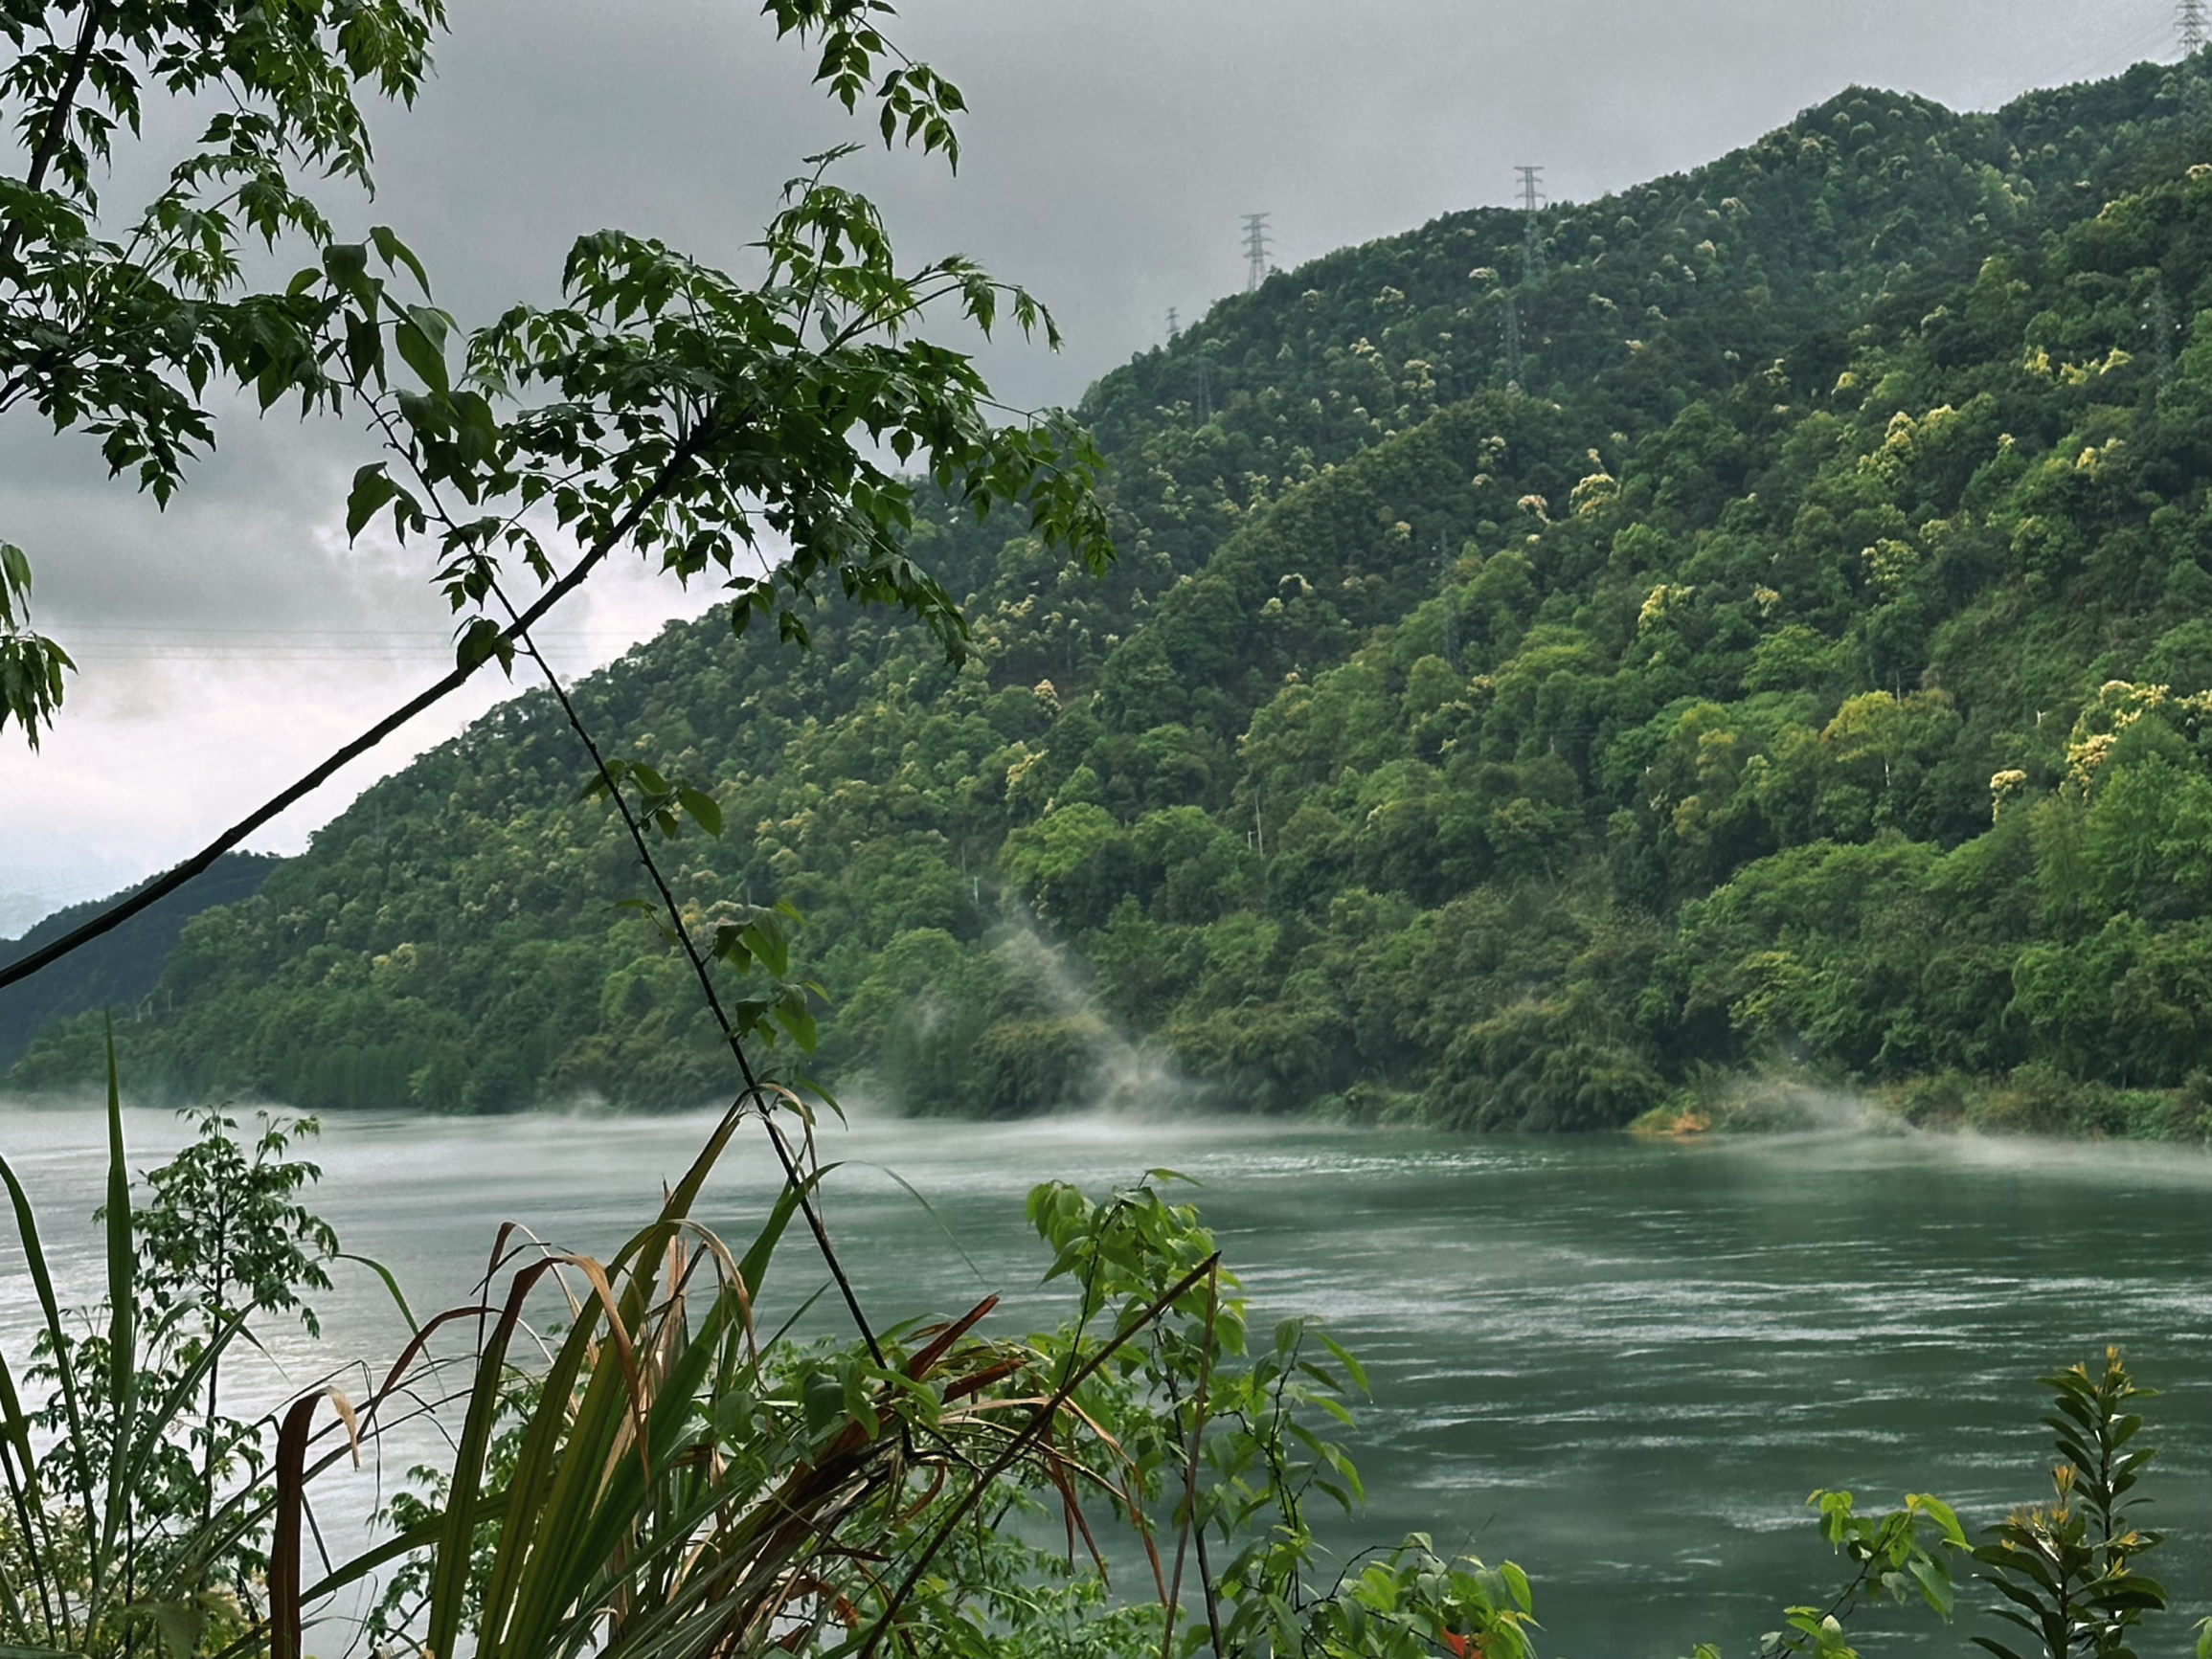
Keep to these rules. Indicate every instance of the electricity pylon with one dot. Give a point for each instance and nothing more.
(1255, 249)
(1532, 201)
(2189, 20)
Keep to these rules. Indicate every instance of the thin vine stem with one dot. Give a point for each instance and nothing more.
(753, 1090)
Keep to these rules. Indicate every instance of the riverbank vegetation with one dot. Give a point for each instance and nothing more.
(666, 1469)
(1795, 661)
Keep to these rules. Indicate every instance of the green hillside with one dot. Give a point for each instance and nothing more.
(1803, 662)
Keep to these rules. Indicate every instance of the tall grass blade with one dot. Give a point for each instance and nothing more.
(121, 1257)
(927, 1208)
(15, 1434)
(565, 1549)
(285, 1626)
(754, 1267)
(539, 1468)
(449, 1579)
(122, 1325)
(31, 1519)
(541, 1573)
(391, 1284)
(42, 1283)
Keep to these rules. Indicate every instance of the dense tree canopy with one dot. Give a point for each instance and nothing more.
(1804, 662)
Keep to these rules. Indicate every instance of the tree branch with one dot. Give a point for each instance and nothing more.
(119, 913)
(57, 122)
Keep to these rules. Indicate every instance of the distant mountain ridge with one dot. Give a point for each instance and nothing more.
(1726, 683)
(121, 970)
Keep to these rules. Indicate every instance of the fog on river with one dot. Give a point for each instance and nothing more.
(1621, 1363)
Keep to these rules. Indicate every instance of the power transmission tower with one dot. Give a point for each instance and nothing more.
(2189, 20)
(1255, 249)
(1532, 200)
(1174, 326)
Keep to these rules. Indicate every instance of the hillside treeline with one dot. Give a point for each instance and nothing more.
(1801, 656)
(120, 969)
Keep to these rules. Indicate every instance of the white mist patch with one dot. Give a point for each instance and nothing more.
(1777, 1103)
(2128, 1163)
(1129, 1079)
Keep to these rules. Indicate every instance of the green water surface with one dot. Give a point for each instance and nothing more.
(1623, 1364)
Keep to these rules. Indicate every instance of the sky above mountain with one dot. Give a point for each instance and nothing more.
(229, 642)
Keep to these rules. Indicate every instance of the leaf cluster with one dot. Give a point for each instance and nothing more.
(2066, 1569)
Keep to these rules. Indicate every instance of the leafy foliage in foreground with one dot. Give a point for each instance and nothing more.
(1805, 664)
(676, 408)
(139, 1512)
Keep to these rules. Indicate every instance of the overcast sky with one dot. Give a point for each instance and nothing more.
(1110, 150)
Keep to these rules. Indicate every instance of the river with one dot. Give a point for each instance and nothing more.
(1621, 1363)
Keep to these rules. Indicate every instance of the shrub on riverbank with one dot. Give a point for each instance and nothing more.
(2031, 1100)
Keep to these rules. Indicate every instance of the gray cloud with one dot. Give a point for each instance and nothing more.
(1110, 150)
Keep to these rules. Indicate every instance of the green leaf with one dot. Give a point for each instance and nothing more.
(481, 642)
(372, 487)
(14, 576)
(395, 253)
(1935, 1586)
(1942, 1514)
(1516, 1581)
(346, 266)
(703, 808)
(798, 1020)
(420, 336)
(730, 946)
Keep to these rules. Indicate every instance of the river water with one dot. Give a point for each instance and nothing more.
(1621, 1363)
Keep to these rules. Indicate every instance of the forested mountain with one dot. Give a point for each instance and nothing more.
(1797, 654)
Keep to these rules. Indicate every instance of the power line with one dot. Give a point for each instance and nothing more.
(165, 630)
(1255, 249)
(235, 644)
(2148, 39)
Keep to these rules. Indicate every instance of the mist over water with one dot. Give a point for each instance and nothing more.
(1620, 1363)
